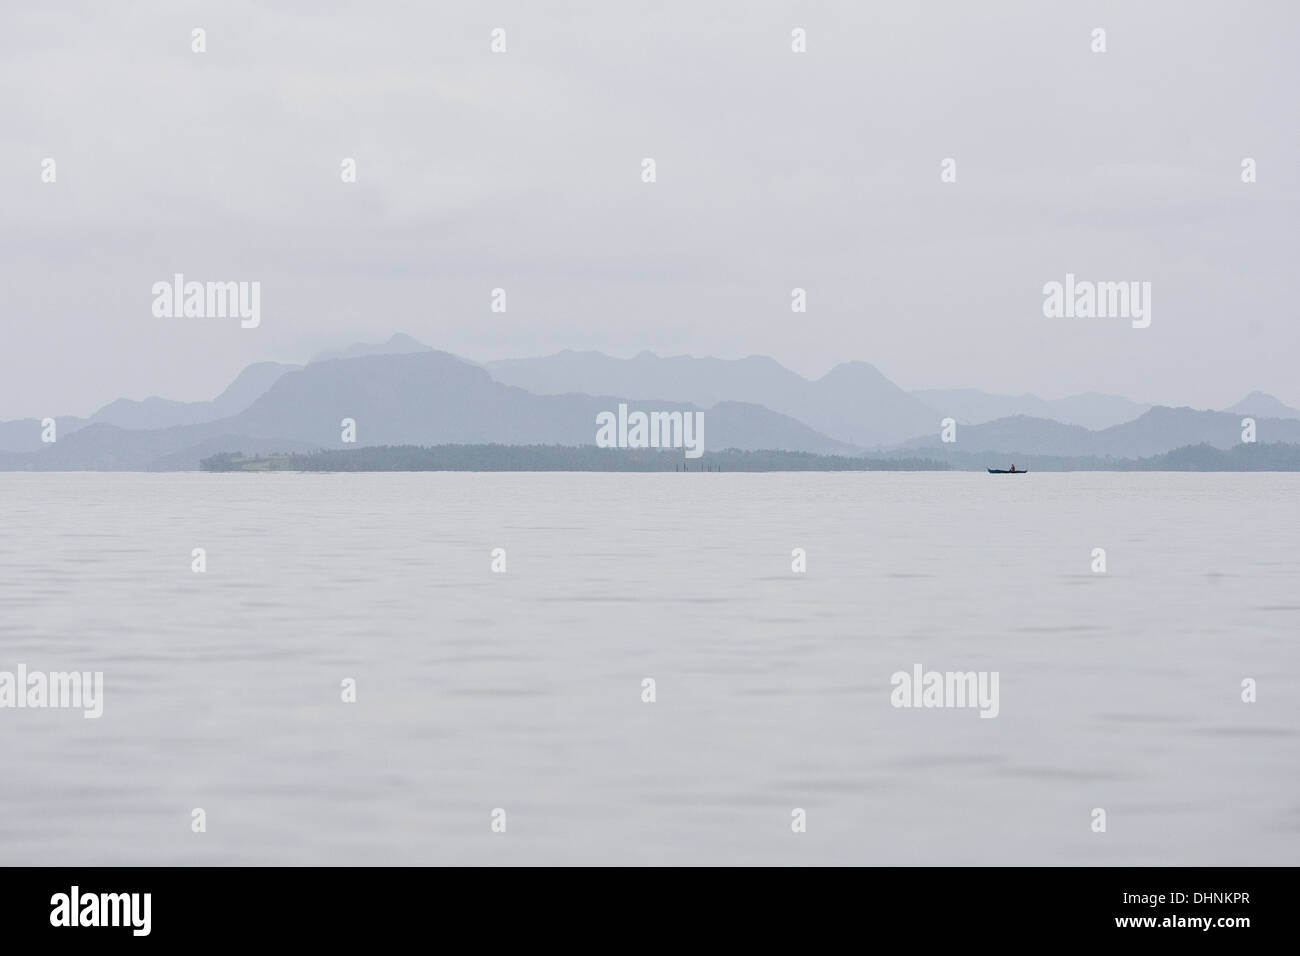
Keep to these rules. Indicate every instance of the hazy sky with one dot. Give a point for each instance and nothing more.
(522, 170)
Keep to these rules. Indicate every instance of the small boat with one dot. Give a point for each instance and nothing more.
(1003, 471)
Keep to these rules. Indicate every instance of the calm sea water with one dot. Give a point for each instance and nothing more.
(522, 690)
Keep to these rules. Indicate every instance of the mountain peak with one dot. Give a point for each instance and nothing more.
(397, 344)
(1263, 405)
(855, 367)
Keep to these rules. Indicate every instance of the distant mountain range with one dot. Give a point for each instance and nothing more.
(24, 435)
(424, 397)
(405, 393)
(1155, 432)
(1090, 410)
(852, 403)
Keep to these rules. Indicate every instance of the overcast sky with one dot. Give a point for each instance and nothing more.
(522, 170)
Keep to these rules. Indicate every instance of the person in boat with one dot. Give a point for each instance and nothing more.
(1013, 469)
